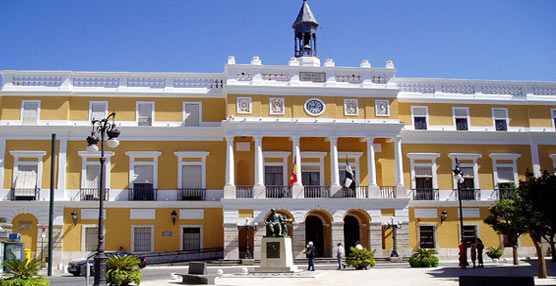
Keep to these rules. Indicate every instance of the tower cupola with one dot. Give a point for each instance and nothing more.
(305, 34)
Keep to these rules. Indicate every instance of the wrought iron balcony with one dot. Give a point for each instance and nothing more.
(359, 192)
(425, 194)
(277, 192)
(387, 192)
(142, 194)
(316, 191)
(92, 194)
(192, 194)
(504, 193)
(244, 192)
(469, 194)
(25, 194)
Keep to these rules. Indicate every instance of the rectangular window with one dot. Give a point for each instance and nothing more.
(191, 239)
(145, 113)
(191, 177)
(468, 185)
(91, 239)
(25, 185)
(469, 234)
(191, 114)
(142, 239)
(92, 174)
(419, 117)
(460, 118)
(273, 176)
(98, 110)
(310, 175)
(423, 183)
(30, 112)
(143, 188)
(500, 116)
(426, 236)
(554, 118)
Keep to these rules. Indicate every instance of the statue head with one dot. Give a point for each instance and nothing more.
(273, 211)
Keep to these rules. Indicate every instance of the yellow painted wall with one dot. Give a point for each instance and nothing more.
(540, 116)
(167, 162)
(245, 162)
(118, 229)
(35, 145)
(386, 164)
(28, 237)
(444, 163)
(544, 157)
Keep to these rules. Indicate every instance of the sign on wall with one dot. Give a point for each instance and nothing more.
(312, 76)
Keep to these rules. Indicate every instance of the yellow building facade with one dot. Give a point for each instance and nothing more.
(201, 155)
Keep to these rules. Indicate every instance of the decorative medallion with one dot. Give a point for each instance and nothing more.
(314, 106)
(244, 105)
(382, 107)
(276, 106)
(351, 107)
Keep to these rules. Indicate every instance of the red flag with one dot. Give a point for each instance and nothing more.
(293, 176)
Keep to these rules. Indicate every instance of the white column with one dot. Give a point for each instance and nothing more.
(535, 159)
(399, 160)
(230, 165)
(371, 166)
(334, 168)
(259, 164)
(2, 159)
(297, 155)
(62, 151)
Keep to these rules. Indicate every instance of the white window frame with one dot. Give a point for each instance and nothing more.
(426, 116)
(37, 155)
(278, 154)
(353, 158)
(553, 157)
(91, 109)
(200, 104)
(432, 164)
(320, 163)
(137, 103)
(454, 117)
(504, 157)
(552, 117)
(280, 99)
(435, 232)
(38, 102)
(85, 162)
(143, 154)
(192, 155)
(466, 157)
(494, 118)
(346, 100)
(201, 234)
(133, 226)
(83, 234)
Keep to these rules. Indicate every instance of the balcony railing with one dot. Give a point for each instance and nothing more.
(316, 191)
(25, 194)
(359, 192)
(469, 194)
(387, 192)
(192, 194)
(92, 194)
(244, 192)
(277, 192)
(142, 194)
(425, 194)
(504, 193)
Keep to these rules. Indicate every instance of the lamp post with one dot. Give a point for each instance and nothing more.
(247, 226)
(458, 176)
(102, 127)
(394, 226)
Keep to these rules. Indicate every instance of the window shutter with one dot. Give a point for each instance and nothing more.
(92, 175)
(98, 110)
(144, 112)
(423, 171)
(191, 176)
(26, 181)
(500, 114)
(91, 238)
(419, 111)
(142, 239)
(460, 112)
(192, 114)
(505, 174)
(30, 110)
(143, 174)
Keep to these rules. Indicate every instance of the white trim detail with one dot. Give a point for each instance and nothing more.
(91, 109)
(382, 107)
(244, 105)
(351, 107)
(38, 155)
(85, 162)
(426, 108)
(494, 118)
(501, 157)
(470, 213)
(38, 102)
(467, 118)
(91, 214)
(426, 213)
(142, 214)
(143, 154)
(201, 231)
(133, 227)
(192, 214)
(137, 103)
(466, 157)
(432, 164)
(185, 114)
(276, 106)
(192, 154)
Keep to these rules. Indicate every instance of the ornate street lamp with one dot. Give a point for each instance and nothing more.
(394, 226)
(102, 127)
(458, 176)
(247, 226)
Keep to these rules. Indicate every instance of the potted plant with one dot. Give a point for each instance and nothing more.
(423, 257)
(23, 273)
(123, 270)
(360, 258)
(494, 253)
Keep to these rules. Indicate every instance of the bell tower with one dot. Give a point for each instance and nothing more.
(305, 37)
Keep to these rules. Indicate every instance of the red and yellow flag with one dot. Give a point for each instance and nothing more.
(293, 176)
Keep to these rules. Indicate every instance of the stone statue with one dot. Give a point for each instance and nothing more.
(277, 224)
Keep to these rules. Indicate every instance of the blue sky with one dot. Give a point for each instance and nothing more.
(507, 40)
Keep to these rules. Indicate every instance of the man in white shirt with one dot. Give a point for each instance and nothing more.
(339, 254)
(358, 245)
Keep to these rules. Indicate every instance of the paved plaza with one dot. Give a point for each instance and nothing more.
(383, 274)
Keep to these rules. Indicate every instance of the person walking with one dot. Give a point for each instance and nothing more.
(473, 254)
(480, 247)
(310, 252)
(463, 255)
(340, 251)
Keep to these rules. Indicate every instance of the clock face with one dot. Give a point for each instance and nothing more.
(314, 106)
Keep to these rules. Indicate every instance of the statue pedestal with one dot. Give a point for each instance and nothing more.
(276, 255)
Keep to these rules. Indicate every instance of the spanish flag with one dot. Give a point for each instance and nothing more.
(293, 176)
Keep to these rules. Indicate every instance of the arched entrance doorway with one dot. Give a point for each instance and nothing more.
(26, 225)
(314, 231)
(351, 231)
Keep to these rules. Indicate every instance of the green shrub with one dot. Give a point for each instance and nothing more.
(24, 282)
(23, 269)
(494, 252)
(123, 270)
(358, 256)
(423, 257)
